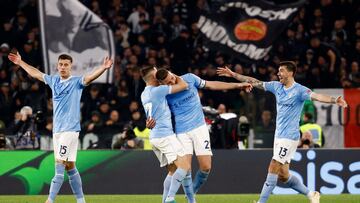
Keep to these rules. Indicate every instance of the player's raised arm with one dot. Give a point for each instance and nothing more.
(31, 70)
(225, 71)
(217, 85)
(98, 71)
(179, 86)
(328, 99)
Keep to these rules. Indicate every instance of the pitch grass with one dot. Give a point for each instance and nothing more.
(232, 198)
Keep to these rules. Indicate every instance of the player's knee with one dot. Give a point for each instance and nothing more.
(274, 167)
(171, 168)
(185, 165)
(58, 161)
(206, 167)
(283, 178)
(69, 166)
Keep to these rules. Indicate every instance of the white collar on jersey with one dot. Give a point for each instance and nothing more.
(61, 80)
(290, 86)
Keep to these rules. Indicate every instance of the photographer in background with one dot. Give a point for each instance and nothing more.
(315, 129)
(25, 130)
(306, 141)
(127, 140)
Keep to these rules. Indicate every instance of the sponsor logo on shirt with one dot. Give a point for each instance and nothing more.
(182, 101)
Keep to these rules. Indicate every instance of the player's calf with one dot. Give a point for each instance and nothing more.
(76, 184)
(182, 168)
(56, 182)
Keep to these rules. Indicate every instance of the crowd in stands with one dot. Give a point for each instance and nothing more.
(324, 40)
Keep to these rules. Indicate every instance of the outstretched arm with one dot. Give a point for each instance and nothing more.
(329, 99)
(98, 71)
(217, 85)
(225, 71)
(31, 70)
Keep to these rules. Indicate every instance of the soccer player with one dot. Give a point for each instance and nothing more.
(290, 97)
(66, 94)
(165, 144)
(190, 125)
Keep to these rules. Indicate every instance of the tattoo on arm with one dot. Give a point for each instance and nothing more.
(255, 82)
(240, 78)
(243, 78)
(258, 84)
(333, 100)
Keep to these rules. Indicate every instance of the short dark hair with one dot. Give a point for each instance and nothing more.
(290, 66)
(144, 72)
(65, 57)
(161, 74)
(308, 115)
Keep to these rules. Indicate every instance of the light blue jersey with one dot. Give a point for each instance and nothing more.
(186, 106)
(66, 96)
(156, 107)
(289, 104)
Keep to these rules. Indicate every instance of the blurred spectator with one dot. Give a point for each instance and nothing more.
(7, 33)
(315, 130)
(264, 131)
(4, 51)
(136, 84)
(111, 127)
(6, 102)
(25, 130)
(139, 14)
(181, 53)
(355, 56)
(127, 140)
(180, 9)
(354, 75)
(267, 122)
(221, 109)
(306, 141)
(35, 98)
(327, 60)
(176, 27)
(104, 110)
(94, 125)
(92, 99)
(2, 142)
(140, 130)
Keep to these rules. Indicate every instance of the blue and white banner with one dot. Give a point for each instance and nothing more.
(67, 26)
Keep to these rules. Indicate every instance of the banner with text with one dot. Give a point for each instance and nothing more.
(67, 26)
(246, 29)
(341, 126)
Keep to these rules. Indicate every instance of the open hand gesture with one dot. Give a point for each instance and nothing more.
(15, 58)
(108, 62)
(341, 102)
(224, 71)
